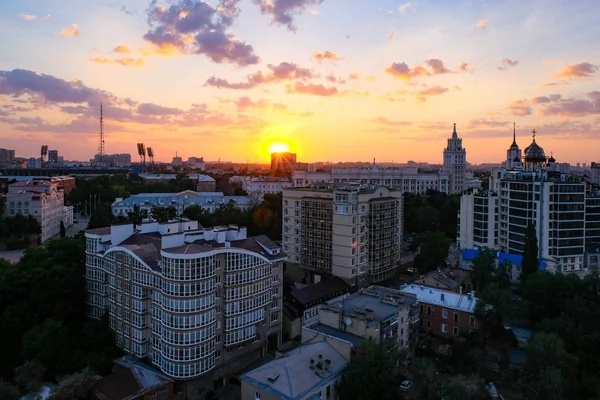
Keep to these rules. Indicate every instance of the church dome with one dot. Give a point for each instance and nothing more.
(534, 153)
(551, 159)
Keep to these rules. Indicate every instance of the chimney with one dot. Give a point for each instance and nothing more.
(460, 289)
(312, 364)
(442, 297)
(328, 366)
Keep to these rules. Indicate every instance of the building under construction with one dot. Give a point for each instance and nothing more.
(346, 230)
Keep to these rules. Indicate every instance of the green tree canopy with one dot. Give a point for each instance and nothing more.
(484, 266)
(371, 374)
(530, 261)
(433, 251)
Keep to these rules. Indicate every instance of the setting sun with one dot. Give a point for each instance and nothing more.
(278, 147)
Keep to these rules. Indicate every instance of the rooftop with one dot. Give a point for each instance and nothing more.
(515, 259)
(320, 290)
(291, 377)
(455, 301)
(337, 333)
(187, 197)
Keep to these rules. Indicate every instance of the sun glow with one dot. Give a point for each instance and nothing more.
(279, 147)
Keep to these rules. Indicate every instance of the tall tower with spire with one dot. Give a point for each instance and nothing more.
(455, 163)
(513, 154)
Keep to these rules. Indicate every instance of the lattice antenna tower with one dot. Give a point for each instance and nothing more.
(101, 144)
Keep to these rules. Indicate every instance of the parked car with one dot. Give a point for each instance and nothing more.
(491, 390)
(404, 386)
(410, 271)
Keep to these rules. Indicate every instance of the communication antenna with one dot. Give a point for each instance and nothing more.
(101, 144)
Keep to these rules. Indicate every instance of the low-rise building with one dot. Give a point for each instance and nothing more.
(440, 279)
(302, 308)
(261, 184)
(310, 372)
(207, 200)
(445, 313)
(204, 183)
(133, 379)
(385, 315)
(514, 261)
(43, 200)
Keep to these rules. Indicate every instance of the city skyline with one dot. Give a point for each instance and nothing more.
(375, 81)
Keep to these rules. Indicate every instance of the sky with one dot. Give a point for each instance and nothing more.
(335, 80)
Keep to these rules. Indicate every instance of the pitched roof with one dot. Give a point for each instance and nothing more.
(291, 377)
(444, 298)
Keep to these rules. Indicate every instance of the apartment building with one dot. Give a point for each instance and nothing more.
(445, 313)
(42, 199)
(452, 178)
(199, 304)
(346, 230)
(384, 315)
(564, 210)
(261, 184)
(595, 173)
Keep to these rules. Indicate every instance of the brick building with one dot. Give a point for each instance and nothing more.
(445, 313)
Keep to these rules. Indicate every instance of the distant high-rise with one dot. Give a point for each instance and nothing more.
(455, 162)
(6, 156)
(53, 156)
(282, 162)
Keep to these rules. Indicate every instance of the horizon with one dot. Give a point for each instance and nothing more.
(206, 79)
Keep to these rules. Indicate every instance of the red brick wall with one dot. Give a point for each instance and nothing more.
(432, 320)
(158, 393)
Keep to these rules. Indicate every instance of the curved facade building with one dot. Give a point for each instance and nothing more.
(200, 304)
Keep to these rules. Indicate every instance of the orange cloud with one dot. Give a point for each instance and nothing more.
(388, 122)
(312, 89)
(72, 31)
(122, 49)
(482, 24)
(325, 55)
(404, 72)
(580, 70)
(127, 62)
(466, 67)
(28, 17)
(549, 62)
(392, 36)
(354, 76)
(432, 91)
(520, 108)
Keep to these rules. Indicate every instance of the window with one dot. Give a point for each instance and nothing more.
(257, 396)
(455, 317)
(455, 330)
(444, 328)
(429, 311)
(163, 394)
(444, 313)
(472, 320)
(152, 397)
(429, 324)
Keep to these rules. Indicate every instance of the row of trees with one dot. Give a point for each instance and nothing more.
(42, 317)
(19, 231)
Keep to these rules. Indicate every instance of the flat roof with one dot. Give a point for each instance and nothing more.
(455, 301)
(337, 333)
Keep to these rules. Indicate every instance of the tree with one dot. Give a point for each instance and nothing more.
(8, 391)
(101, 217)
(63, 231)
(29, 376)
(36, 343)
(76, 387)
(163, 214)
(137, 216)
(433, 251)
(530, 261)
(371, 374)
(428, 219)
(484, 265)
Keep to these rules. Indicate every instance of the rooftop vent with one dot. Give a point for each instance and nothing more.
(442, 297)
(273, 377)
(328, 366)
(312, 364)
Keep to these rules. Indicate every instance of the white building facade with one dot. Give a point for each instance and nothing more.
(261, 184)
(43, 200)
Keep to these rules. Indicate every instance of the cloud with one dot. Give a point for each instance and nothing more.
(73, 30)
(546, 99)
(580, 70)
(482, 24)
(404, 72)
(335, 79)
(486, 123)
(437, 66)
(402, 9)
(572, 107)
(560, 83)
(47, 16)
(354, 76)
(520, 108)
(392, 36)
(155, 109)
(432, 91)
(283, 72)
(325, 55)
(28, 17)
(126, 62)
(388, 122)
(195, 27)
(122, 49)
(282, 12)
(312, 89)
(508, 63)
(549, 62)
(466, 67)
(128, 11)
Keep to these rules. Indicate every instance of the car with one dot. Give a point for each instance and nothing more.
(404, 386)
(75, 220)
(410, 271)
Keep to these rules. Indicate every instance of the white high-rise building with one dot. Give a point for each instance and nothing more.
(455, 162)
(564, 211)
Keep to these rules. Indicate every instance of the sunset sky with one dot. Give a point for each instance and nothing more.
(337, 80)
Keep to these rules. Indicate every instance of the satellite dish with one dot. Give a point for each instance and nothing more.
(348, 321)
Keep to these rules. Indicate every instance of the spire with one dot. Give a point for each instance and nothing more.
(454, 134)
(514, 134)
(533, 132)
